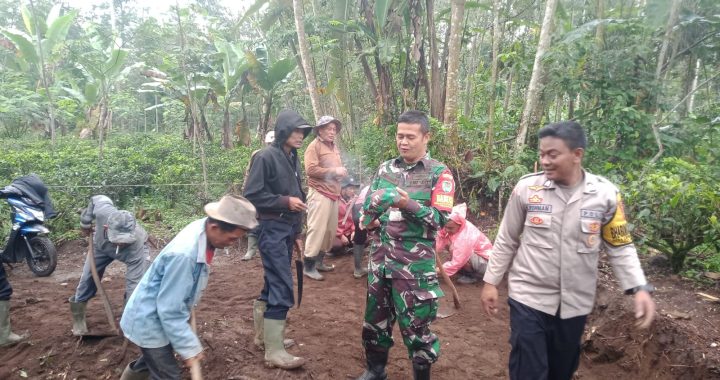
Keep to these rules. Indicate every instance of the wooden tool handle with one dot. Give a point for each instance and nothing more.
(444, 275)
(100, 289)
(195, 370)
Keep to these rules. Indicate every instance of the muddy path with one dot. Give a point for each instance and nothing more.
(328, 324)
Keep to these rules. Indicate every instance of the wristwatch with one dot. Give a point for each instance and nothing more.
(647, 287)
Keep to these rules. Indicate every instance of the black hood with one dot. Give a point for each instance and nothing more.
(287, 121)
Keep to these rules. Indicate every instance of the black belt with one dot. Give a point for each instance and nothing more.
(286, 216)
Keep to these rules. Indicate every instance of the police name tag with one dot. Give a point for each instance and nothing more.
(395, 216)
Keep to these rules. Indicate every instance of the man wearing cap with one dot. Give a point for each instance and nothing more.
(252, 240)
(344, 236)
(117, 236)
(325, 171)
(274, 187)
(157, 314)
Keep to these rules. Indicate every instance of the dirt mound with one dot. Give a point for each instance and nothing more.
(327, 330)
(673, 348)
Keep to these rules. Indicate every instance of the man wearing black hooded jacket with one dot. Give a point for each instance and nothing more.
(274, 187)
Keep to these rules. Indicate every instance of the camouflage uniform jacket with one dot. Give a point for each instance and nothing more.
(407, 237)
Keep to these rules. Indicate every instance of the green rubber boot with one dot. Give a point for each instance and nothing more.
(275, 354)
(78, 312)
(7, 337)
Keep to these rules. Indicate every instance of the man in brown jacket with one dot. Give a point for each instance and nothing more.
(324, 169)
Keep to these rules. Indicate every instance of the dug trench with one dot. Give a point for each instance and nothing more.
(327, 329)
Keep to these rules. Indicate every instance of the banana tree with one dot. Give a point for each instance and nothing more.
(230, 83)
(172, 84)
(102, 66)
(38, 48)
(265, 77)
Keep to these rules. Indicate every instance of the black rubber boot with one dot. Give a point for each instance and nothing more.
(421, 371)
(320, 265)
(131, 374)
(359, 271)
(310, 270)
(376, 362)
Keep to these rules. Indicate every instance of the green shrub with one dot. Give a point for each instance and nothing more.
(675, 207)
(157, 176)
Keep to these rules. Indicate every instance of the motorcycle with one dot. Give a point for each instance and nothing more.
(28, 237)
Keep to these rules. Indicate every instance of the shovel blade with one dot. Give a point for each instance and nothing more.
(446, 308)
(98, 335)
(299, 273)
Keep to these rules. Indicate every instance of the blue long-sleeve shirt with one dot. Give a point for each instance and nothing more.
(158, 311)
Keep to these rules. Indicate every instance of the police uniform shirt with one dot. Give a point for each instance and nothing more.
(551, 244)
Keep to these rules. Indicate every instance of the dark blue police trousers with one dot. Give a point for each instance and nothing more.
(544, 347)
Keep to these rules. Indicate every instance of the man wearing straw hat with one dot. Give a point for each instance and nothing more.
(325, 170)
(157, 314)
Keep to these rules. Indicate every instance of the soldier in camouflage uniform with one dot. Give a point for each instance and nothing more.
(411, 198)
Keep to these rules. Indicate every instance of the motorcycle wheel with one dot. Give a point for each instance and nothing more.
(43, 260)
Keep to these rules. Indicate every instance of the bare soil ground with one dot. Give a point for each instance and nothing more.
(327, 329)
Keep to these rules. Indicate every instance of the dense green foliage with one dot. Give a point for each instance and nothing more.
(156, 176)
(150, 87)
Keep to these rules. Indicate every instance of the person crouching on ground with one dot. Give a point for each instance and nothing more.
(469, 248)
(156, 317)
(345, 228)
(118, 236)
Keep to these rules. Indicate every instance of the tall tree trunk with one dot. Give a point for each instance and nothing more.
(305, 58)
(436, 85)
(451, 86)
(508, 90)
(497, 36)
(471, 70)
(672, 19)
(693, 87)
(43, 74)
(368, 73)
(385, 103)
(423, 75)
(194, 108)
(227, 141)
(534, 90)
(600, 31)
(339, 64)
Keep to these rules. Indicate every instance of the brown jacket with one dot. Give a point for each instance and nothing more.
(321, 159)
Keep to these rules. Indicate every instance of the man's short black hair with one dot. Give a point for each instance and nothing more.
(224, 226)
(568, 131)
(416, 117)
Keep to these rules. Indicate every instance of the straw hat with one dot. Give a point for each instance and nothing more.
(235, 210)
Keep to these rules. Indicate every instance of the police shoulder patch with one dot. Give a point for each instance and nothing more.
(616, 232)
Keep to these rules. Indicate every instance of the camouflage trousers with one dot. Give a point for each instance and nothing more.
(393, 299)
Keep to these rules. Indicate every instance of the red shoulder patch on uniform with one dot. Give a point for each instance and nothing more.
(443, 193)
